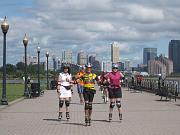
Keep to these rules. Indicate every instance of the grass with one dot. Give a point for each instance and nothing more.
(14, 91)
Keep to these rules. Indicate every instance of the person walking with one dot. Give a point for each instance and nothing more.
(115, 93)
(89, 79)
(80, 83)
(64, 90)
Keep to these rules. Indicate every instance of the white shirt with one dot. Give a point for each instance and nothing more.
(65, 79)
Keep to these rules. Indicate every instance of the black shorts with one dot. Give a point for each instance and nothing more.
(88, 95)
(115, 93)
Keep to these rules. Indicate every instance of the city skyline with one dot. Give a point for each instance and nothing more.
(134, 25)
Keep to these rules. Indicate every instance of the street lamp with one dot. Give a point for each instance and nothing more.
(54, 66)
(4, 27)
(47, 56)
(25, 42)
(38, 51)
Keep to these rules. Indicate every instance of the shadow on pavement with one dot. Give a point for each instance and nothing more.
(106, 121)
(76, 103)
(98, 103)
(76, 124)
(163, 100)
(54, 120)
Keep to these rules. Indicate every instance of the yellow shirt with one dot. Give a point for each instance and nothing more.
(89, 80)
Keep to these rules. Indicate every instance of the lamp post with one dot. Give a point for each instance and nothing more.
(4, 27)
(38, 51)
(25, 42)
(47, 56)
(54, 66)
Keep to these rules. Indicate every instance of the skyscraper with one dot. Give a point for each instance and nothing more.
(82, 58)
(174, 54)
(115, 52)
(106, 66)
(92, 59)
(160, 65)
(67, 56)
(127, 65)
(149, 54)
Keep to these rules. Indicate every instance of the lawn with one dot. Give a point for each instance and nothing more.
(14, 91)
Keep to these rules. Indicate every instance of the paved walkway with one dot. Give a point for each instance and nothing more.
(142, 115)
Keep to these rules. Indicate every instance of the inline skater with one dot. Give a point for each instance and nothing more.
(115, 93)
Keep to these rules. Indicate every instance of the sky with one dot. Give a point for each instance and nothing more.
(89, 25)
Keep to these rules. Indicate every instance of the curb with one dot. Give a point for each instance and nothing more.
(11, 103)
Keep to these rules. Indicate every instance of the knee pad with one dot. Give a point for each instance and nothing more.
(90, 106)
(118, 104)
(86, 106)
(112, 104)
(61, 102)
(67, 103)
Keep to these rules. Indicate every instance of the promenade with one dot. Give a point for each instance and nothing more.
(143, 114)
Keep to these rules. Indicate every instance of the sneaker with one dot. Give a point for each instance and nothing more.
(110, 116)
(120, 116)
(67, 116)
(60, 116)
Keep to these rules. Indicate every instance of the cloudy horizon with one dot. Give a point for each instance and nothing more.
(89, 25)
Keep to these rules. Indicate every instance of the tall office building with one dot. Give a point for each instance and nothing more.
(167, 62)
(127, 65)
(160, 65)
(114, 52)
(82, 58)
(106, 66)
(149, 54)
(156, 67)
(92, 59)
(59, 64)
(67, 56)
(174, 54)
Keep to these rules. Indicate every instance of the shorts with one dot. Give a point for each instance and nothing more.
(88, 95)
(80, 88)
(115, 93)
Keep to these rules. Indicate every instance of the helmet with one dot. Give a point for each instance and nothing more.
(114, 65)
(88, 65)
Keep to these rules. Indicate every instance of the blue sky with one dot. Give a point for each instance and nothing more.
(12, 8)
(91, 26)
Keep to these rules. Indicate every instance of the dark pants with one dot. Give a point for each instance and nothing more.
(88, 95)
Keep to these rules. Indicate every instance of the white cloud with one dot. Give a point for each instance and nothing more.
(145, 14)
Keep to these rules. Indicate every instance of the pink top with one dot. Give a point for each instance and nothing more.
(114, 78)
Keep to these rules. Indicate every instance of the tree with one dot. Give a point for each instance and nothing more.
(20, 66)
(10, 69)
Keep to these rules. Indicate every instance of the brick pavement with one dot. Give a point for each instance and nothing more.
(142, 115)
